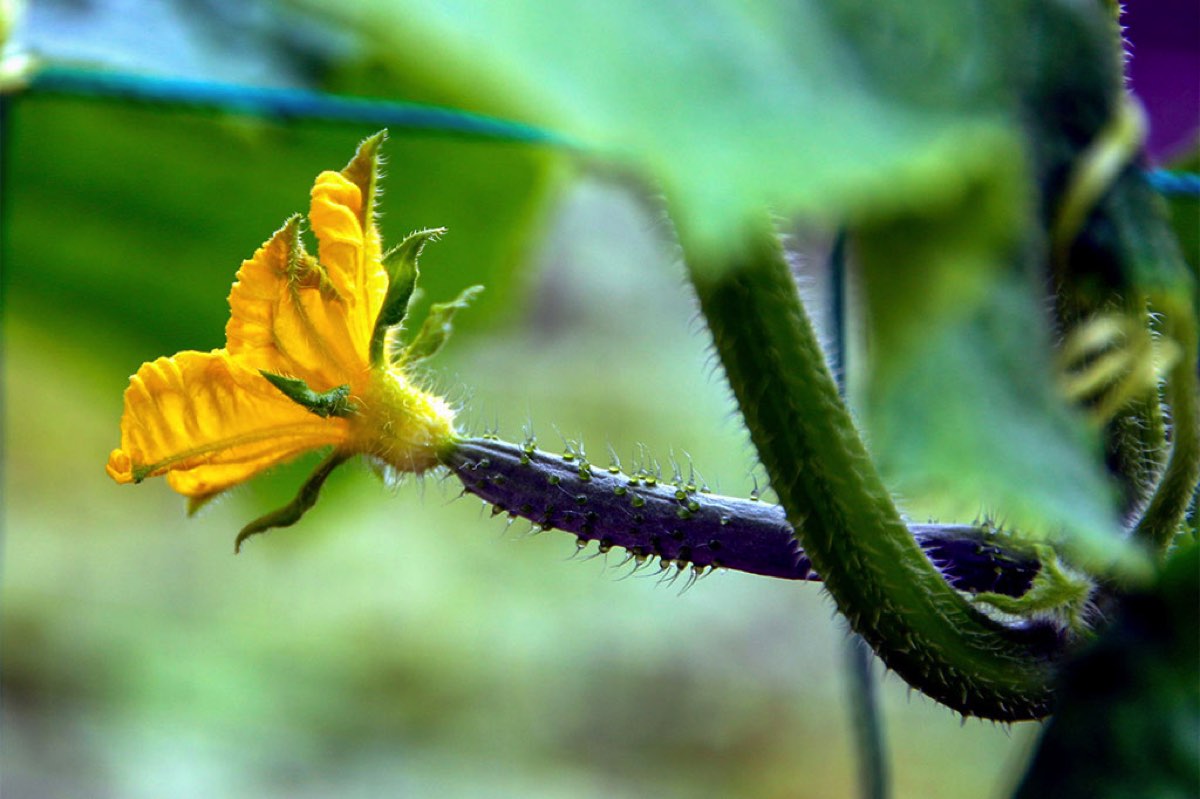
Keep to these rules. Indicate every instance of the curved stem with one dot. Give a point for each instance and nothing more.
(1168, 507)
(843, 514)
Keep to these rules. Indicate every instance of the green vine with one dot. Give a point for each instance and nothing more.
(844, 516)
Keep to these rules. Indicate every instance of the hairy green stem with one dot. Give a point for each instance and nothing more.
(1168, 507)
(843, 514)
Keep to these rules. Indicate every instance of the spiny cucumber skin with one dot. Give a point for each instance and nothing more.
(682, 526)
(648, 520)
(844, 516)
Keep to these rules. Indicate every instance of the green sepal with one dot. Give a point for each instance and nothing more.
(290, 513)
(334, 402)
(401, 265)
(435, 331)
(363, 171)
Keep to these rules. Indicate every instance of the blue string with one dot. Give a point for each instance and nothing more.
(1174, 184)
(287, 103)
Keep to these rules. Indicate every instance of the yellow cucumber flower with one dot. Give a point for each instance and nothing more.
(311, 360)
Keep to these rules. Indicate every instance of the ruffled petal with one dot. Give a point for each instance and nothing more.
(287, 317)
(210, 422)
(349, 252)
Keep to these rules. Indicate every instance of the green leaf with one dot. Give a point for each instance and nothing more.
(291, 513)
(436, 329)
(962, 398)
(966, 420)
(401, 265)
(334, 402)
(827, 109)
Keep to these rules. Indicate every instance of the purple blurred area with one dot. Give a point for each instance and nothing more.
(1164, 71)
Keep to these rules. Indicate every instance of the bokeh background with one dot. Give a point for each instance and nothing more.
(398, 641)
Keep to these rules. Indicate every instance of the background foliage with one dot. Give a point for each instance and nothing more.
(395, 641)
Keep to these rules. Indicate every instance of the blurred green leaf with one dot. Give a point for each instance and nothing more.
(963, 405)
(964, 414)
(830, 110)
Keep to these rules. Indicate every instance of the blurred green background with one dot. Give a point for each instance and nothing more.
(396, 642)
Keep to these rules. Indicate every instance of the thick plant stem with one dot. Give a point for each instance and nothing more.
(843, 514)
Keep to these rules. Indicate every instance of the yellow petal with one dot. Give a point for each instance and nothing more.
(210, 423)
(349, 254)
(363, 172)
(287, 317)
